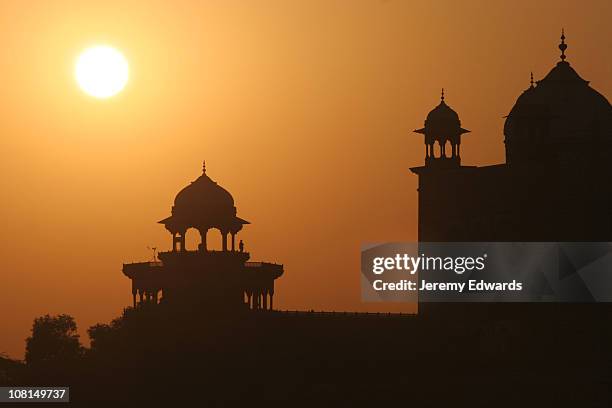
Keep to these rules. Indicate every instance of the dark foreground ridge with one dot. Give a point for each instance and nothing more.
(156, 355)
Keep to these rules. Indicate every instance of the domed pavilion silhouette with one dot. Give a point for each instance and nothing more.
(554, 185)
(203, 277)
(203, 205)
(561, 117)
(443, 126)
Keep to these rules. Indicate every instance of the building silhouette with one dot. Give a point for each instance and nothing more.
(554, 185)
(558, 143)
(219, 279)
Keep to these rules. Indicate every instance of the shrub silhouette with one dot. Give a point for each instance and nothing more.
(10, 370)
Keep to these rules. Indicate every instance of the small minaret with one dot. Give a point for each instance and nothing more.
(444, 127)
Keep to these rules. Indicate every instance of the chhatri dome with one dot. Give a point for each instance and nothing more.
(442, 115)
(557, 116)
(203, 205)
(443, 126)
(204, 199)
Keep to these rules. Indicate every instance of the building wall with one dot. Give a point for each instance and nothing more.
(531, 202)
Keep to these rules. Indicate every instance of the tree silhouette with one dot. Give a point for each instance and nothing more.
(54, 340)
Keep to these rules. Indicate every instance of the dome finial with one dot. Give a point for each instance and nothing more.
(531, 82)
(442, 97)
(203, 166)
(563, 45)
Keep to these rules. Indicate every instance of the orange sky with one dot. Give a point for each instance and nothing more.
(302, 109)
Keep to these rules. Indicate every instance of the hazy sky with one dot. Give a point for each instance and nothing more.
(304, 110)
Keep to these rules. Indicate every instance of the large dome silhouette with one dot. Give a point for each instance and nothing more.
(203, 205)
(442, 114)
(562, 109)
(204, 197)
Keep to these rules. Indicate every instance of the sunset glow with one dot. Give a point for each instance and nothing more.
(303, 110)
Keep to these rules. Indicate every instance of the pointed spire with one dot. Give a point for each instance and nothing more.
(531, 82)
(203, 166)
(563, 46)
(442, 96)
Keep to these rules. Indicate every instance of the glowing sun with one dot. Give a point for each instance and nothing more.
(101, 71)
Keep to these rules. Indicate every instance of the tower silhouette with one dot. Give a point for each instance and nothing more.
(444, 127)
(554, 184)
(223, 280)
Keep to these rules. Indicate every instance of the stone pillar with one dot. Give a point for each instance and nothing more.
(272, 300)
(203, 237)
(140, 293)
(233, 242)
(133, 298)
(265, 300)
(224, 239)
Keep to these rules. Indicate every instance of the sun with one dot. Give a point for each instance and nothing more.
(101, 71)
